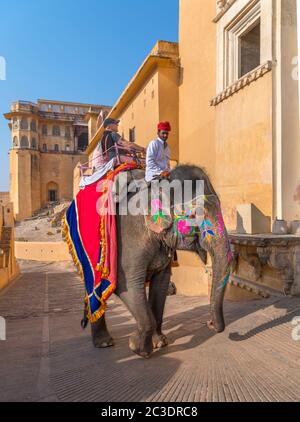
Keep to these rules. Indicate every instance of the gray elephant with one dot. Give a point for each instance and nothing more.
(145, 252)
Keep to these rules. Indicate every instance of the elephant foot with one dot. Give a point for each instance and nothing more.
(140, 346)
(213, 326)
(103, 342)
(159, 341)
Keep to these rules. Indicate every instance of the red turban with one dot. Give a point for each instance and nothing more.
(165, 126)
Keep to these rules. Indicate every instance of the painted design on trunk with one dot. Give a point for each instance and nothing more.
(156, 207)
(220, 224)
(229, 253)
(225, 282)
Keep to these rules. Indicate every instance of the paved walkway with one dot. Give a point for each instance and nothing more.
(47, 357)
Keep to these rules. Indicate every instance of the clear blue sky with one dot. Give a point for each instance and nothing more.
(85, 51)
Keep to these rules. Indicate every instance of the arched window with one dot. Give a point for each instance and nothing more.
(15, 123)
(33, 125)
(44, 130)
(15, 141)
(33, 143)
(24, 124)
(24, 142)
(56, 131)
(83, 141)
(67, 147)
(56, 148)
(44, 147)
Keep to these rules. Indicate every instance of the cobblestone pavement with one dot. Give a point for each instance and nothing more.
(48, 357)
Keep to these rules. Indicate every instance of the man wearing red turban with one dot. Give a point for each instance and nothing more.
(158, 153)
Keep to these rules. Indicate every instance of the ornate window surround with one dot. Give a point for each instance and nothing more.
(235, 20)
(240, 26)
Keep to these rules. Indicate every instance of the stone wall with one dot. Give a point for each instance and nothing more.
(43, 251)
(9, 268)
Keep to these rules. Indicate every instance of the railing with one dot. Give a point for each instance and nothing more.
(23, 106)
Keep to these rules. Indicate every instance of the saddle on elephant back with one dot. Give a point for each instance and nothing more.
(90, 229)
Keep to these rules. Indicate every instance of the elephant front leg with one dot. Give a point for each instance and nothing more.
(157, 299)
(136, 301)
(100, 335)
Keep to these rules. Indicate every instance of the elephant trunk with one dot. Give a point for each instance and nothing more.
(221, 261)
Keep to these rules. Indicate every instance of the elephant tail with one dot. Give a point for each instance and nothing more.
(84, 322)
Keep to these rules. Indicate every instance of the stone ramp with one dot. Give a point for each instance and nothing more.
(47, 356)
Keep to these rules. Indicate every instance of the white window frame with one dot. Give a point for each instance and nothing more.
(233, 33)
(240, 18)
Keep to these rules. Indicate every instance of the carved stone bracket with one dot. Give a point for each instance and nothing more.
(253, 260)
(278, 252)
(280, 259)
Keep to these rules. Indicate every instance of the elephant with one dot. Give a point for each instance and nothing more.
(145, 252)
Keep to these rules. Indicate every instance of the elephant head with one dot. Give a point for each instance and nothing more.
(208, 235)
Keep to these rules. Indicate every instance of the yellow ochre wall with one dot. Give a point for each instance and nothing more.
(243, 171)
(4, 198)
(197, 87)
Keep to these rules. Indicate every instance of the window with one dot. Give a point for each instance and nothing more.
(52, 195)
(44, 130)
(67, 132)
(67, 147)
(240, 40)
(52, 189)
(15, 141)
(24, 124)
(132, 134)
(83, 141)
(240, 32)
(56, 131)
(56, 148)
(33, 143)
(153, 94)
(33, 125)
(44, 147)
(249, 50)
(24, 142)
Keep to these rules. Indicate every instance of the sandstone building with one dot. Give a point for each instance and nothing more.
(48, 140)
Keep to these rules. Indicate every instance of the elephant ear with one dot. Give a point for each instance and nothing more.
(160, 217)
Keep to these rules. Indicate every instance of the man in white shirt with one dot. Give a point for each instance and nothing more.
(158, 154)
